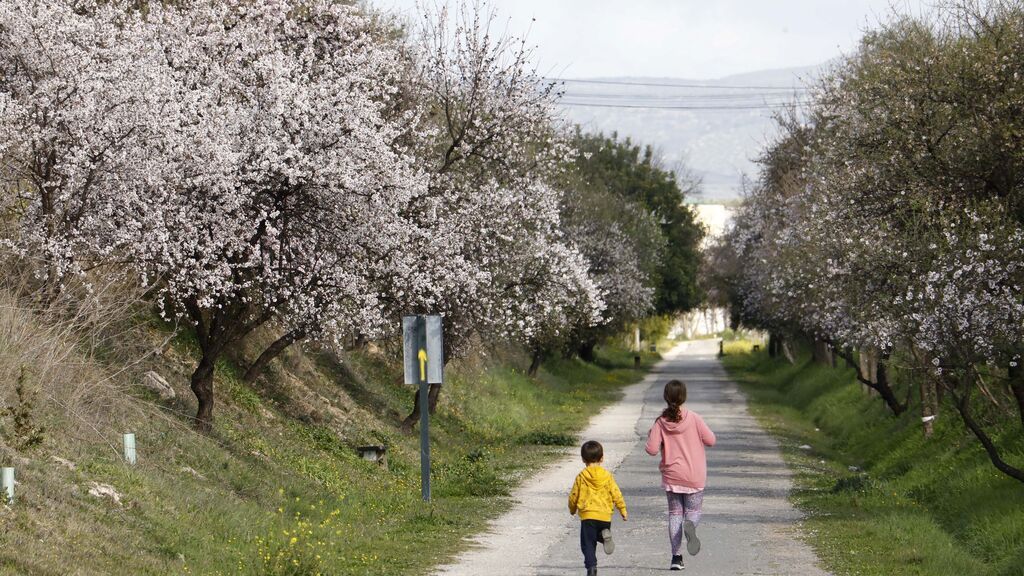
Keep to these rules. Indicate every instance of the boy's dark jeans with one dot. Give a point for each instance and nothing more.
(590, 535)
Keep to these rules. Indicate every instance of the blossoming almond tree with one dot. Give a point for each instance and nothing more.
(927, 118)
(289, 184)
(490, 209)
(909, 212)
(80, 96)
(291, 165)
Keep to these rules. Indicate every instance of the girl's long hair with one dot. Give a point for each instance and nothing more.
(675, 396)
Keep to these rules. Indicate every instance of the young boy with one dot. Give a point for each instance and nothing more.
(594, 495)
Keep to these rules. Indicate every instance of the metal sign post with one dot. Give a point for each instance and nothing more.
(424, 365)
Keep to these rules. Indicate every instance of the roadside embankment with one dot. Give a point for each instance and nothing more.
(277, 487)
(881, 498)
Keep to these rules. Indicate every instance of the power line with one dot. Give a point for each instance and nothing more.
(641, 106)
(669, 85)
(745, 96)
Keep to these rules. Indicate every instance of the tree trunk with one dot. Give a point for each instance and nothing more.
(225, 325)
(538, 357)
(822, 354)
(886, 391)
(359, 341)
(272, 352)
(773, 343)
(867, 365)
(872, 374)
(879, 384)
(414, 417)
(202, 387)
(790, 357)
(1017, 387)
(963, 406)
(929, 406)
(586, 351)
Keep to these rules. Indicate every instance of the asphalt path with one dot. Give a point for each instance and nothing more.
(748, 527)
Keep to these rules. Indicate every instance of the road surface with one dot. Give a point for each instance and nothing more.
(748, 526)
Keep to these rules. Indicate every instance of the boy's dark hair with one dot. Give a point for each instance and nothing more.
(675, 396)
(592, 451)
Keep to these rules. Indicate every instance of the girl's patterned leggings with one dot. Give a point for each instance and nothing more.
(682, 507)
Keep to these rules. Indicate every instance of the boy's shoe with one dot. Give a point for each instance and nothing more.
(692, 542)
(591, 571)
(677, 563)
(609, 544)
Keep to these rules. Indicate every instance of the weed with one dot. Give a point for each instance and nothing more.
(28, 433)
(245, 398)
(853, 483)
(471, 475)
(545, 438)
(479, 454)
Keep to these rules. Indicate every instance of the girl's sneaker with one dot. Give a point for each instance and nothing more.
(692, 542)
(591, 571)
(677, 563)
(609, 544)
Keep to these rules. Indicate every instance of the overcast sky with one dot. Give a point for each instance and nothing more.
(699, 39)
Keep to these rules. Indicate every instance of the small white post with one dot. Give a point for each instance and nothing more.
(7, 482)
(129, 448)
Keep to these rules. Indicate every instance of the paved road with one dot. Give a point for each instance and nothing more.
(748, 527)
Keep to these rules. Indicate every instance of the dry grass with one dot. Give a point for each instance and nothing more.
(70, 363)
(280, 463)
(59, 378)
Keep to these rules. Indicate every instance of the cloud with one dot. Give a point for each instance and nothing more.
(684, 38)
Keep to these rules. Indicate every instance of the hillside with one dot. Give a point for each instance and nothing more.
(719, 146)
(278, 486)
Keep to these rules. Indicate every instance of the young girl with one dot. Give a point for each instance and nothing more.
(681, 435)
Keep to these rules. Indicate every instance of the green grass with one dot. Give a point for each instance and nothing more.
(278, 488)
(909, 505)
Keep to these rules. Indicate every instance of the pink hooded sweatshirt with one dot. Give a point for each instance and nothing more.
(683, 460)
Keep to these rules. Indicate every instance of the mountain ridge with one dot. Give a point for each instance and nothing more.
(710, 128)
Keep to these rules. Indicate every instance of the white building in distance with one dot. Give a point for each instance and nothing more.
(716, 219)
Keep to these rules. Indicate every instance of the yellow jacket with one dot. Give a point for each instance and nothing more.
(594, 493)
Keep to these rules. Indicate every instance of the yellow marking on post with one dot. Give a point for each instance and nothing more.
(423, 364)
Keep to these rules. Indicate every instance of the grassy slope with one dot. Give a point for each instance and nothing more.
(924, 507)
(278, 488)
